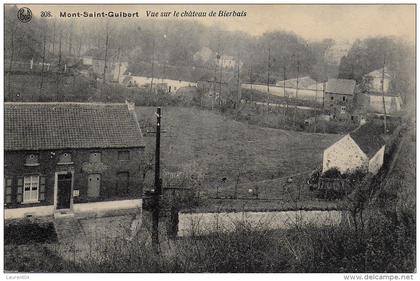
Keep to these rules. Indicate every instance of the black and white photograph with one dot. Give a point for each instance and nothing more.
(209, 138)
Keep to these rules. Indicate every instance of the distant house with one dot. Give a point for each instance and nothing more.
(372, 87)
(308, 89)
(373, 80)
(229, 62)
(338, 99)
(70, 157)
(392, 103)
(87, 60)
(167, 85)
(363, 149)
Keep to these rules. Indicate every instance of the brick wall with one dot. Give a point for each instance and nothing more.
(81, 167)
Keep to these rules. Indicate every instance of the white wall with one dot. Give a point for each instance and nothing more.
(376, 84)
(377, 161)
(95, 207)
(392, 104)
(18, 213)
(345, 155)
(107, 206)
(204, 223)
(303, 94)
(174, 84)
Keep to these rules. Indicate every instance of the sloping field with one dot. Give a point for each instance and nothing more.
(225, 149)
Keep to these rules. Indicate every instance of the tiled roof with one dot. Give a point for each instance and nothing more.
(40, 126)
(340, 86)
(368, 138)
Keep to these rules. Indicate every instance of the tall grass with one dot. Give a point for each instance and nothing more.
(386, 245)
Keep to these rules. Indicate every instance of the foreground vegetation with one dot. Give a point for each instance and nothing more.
(386, 244)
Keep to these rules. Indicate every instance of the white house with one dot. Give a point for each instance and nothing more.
(87, 60)
(373, 80)
(392, 103)
(363, 149)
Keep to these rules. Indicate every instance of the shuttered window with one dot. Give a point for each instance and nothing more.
(19, 189)
(8, 190)
(42, 188)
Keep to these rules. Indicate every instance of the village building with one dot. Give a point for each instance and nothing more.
(71, 157)
(372, 88)
(166, 85)
(338, 98)
(373, 80)
(87, 60)
(304, 88)
(361, 150)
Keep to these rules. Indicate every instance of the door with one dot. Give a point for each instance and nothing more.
(94, 185)
(64, 190)
(122, 183)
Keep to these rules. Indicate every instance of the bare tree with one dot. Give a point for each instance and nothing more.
(44, 42)
(12, 57)
(58, 72)
(106, 50)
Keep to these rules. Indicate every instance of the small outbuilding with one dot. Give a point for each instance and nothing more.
(363, 149)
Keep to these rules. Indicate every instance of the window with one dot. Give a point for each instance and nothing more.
(123, 155)
(95, 157)
(344, 98)
(94, 185)
(332, 98)
(8, 190)
(122, 182)
(30, 189)
(65, 158)
(32, 160)
(343, 109)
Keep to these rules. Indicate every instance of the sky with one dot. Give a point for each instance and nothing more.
(312, 22)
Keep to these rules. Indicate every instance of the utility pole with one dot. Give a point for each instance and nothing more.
(383, 95)
(44, 42)
(158, 186)
(316, 103)
(238, 103)
(284, 92)
(250, 81)
(296, 95)
(213, 98)
(268, 80)
(153, 66)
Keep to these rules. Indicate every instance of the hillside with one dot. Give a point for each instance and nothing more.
(223, 147)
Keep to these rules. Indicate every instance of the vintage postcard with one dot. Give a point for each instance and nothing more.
(210, 138)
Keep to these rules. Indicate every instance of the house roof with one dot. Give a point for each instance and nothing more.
(341, 86)
(304, 83)
(377, 73)
(41, 126)
(368, 138)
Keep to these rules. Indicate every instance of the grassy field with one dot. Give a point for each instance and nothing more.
(234, 155)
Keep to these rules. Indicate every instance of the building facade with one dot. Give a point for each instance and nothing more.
(363, 150)
(338, 98)
(62, 158)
